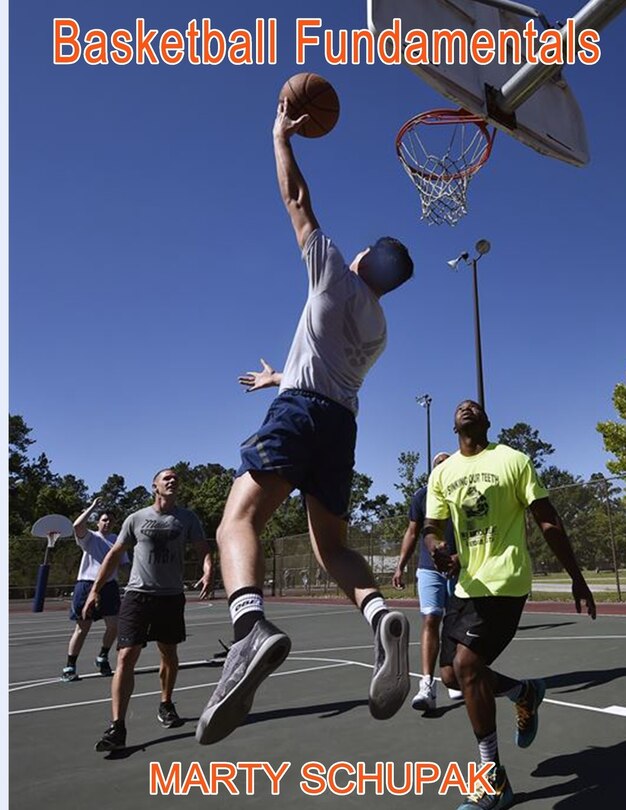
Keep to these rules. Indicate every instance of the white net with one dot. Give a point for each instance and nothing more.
(441, 151)
(52, 538)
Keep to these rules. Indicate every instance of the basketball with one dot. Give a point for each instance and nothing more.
(310, 94)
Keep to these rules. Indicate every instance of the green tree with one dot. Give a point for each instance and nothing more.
(524, 438)
(26, 478)
(121, 501)
(614, 433)
(410, 481)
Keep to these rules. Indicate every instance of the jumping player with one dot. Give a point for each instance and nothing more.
(307, 442)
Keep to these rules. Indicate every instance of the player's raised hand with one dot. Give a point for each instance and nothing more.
(256, 380)
(284, 126)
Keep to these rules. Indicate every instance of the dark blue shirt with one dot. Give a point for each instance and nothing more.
(417, 513)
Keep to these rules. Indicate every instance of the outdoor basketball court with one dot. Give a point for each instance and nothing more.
(314, 708)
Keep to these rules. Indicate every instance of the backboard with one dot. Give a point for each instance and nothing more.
(549, 121)
(51, 525)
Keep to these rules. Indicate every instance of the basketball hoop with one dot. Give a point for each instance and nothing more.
(457, 144)
(52, 538)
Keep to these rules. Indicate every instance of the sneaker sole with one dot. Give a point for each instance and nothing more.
(218, 721)
(391, 684)
(540, 688)
(104, 745)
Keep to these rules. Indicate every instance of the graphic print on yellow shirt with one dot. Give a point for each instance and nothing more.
(486, 496)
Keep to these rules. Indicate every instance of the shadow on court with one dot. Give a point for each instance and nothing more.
(595, 779)
(544, 626)
(584, 679)
(323, 710)
(125, 753)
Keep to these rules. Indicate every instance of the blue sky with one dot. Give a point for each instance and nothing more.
(151, 259)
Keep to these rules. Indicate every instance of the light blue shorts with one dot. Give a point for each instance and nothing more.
(434, 590)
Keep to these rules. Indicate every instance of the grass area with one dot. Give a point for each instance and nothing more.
(590, 576)
(537, 596)
(551, 596)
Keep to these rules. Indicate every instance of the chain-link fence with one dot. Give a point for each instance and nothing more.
(593, 512)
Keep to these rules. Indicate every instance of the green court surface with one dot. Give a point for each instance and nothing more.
(313, 710)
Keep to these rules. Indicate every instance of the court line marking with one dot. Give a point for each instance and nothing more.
(619, 711)
(226, 620)
(17, 685)
(178, 689)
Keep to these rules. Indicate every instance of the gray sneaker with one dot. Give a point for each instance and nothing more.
(247, 664)
(390, 682)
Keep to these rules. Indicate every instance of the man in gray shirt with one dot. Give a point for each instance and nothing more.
(307, 442)
(154, 602)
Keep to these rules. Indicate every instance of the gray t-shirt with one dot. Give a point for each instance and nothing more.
(158, 540)
(342, 329)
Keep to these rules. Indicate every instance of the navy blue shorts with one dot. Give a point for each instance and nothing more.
(309, 440)
(109, 600)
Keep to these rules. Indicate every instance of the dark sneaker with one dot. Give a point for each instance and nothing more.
(526, 709)
(390, 682)
(69, 674)
(500, 799)
(103, 666)
(247, 664)
(168, 716)
(113, 738)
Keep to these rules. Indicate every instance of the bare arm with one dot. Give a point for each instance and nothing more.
(109, 565)
(80, 524)
(554, 534)
(409, 541)
(435, 544)
(203, 551)
(292, 185)
(256, 380)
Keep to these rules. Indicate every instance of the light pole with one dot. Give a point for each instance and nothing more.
(424, 400)
(482, 247)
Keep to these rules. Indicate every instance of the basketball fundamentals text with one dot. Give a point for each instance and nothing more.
(203, 43)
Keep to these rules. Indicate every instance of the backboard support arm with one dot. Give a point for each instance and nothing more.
(597, 14)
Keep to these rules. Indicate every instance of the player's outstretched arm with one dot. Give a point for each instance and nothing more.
(80, 524)
(256, 380)
(292, 185)
(549, 522)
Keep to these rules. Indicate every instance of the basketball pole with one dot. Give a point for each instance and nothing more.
(40, 589)
(597, 14)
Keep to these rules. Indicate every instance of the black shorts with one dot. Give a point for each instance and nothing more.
(309, 440)
(147, 617)
(485, 624)
(109, 600)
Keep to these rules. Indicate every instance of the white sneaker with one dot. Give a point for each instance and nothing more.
(426, 698)
(455, 694)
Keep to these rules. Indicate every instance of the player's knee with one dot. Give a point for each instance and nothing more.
(431, 622)
(466, 669)
(449, 678)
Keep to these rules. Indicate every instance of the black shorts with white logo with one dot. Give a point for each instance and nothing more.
(485, 624)
(149, 617)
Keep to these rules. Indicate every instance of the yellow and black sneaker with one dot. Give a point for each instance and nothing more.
(500, 799)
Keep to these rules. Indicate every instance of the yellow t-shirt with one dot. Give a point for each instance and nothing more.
(486, 496)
